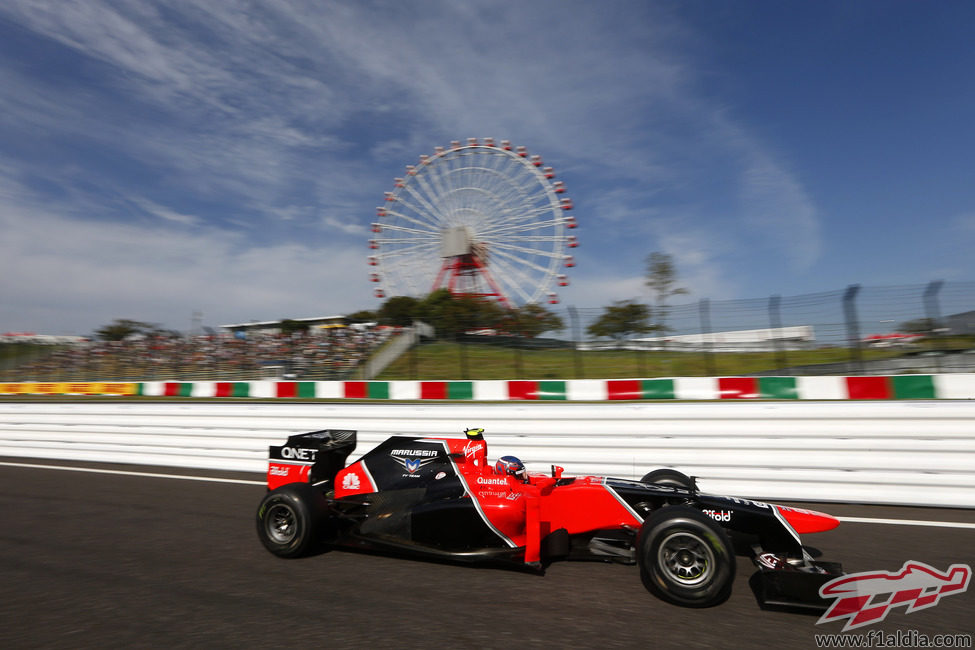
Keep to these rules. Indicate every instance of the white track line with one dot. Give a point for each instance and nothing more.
(149, 474)
(853, 520)
(907, 522)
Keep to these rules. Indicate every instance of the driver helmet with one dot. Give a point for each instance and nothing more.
(513, 466)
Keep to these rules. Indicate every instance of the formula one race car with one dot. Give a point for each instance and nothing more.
(441, 498)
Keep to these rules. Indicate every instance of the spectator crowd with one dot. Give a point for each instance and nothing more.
(317, 354)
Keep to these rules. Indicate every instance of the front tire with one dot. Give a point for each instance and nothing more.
(685, 558)
(290, 518)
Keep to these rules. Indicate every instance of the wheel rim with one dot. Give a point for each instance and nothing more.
(281, 524)
(686, 559)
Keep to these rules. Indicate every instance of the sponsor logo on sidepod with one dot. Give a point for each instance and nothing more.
(491, 481)
(719, 515)
(421, 453)
(413, 464)
(472, 447)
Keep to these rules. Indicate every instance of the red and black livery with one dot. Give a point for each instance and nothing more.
(440, 497)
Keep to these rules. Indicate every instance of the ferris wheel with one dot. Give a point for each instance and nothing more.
(479, 219)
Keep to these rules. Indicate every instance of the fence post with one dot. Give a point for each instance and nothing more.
(462, 353)
(775, 320)
(932, 311)
(853, 326)
(414, 344)
(705, 311)
(576, 337)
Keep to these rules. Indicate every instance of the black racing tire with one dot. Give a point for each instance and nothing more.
(685, 557)
(290, 520)
(668, 477)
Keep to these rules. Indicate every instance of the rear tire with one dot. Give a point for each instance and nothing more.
(290, 519)
(668, 477)
(685, 558)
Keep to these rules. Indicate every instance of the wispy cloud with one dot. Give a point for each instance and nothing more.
(75, 275)
(779, 211)
(965, 223)
(165, 213)
(254, 140)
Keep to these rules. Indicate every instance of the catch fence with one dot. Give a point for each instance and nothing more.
(925, 328)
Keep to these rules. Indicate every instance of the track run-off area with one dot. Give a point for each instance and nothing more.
(97, 554)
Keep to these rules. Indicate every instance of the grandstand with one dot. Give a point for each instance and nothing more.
(328, 351)
(274, 326)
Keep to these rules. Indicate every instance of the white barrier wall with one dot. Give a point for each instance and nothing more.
(903, 452)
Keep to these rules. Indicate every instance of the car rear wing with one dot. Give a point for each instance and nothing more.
(314, 457)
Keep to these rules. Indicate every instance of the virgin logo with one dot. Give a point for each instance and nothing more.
(471, 448)
(866, 598)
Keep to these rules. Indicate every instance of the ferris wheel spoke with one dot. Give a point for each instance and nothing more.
(485, 180)
(427, 177)
(424, 182)
(490, 180)
(424, 234)
(535, 243)
(500, 186)
(417, 238)
(505, 274)
(535, 229)
(514, 203)
(430, 209)
(414, 209)
(522, 231)
(515, 228)
(522, 213)
(497, 249)
(406, 257)
(520, 260)
(403, 251)
(406, 217)
(521, 183)
(443, 187)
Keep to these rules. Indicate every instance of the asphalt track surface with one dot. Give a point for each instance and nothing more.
(96, 559)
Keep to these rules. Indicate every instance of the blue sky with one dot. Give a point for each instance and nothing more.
(158, 159)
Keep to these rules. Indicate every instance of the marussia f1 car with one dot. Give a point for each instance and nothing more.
(441, 498)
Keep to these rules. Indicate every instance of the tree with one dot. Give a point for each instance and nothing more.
(452, 315)
(431, 309)
(622, 319)
(661, 278)
(464, 313)
(532, 320)
(289, 327)
(398, 310)
(362, 316)
(122, 328)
